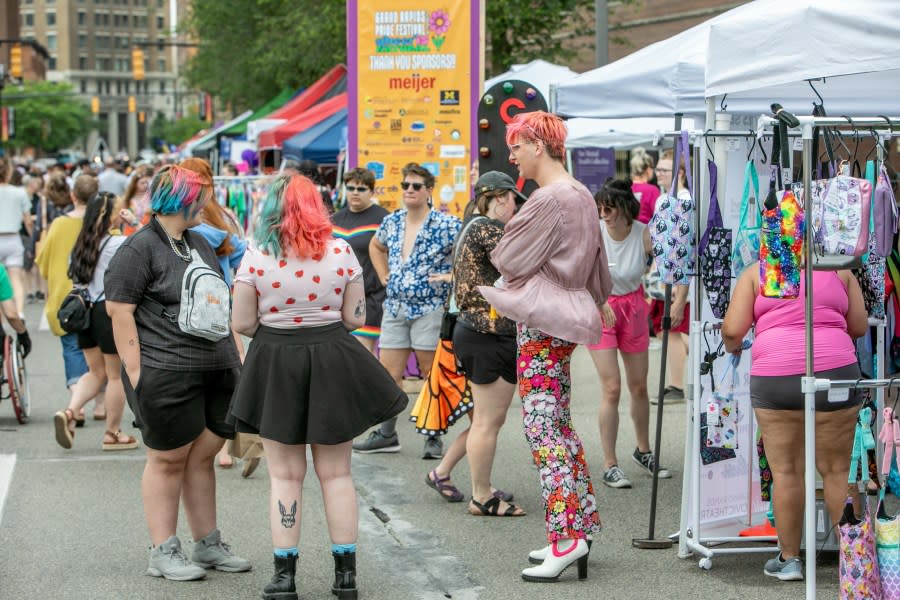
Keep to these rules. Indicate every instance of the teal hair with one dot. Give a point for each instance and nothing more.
(174, 189)
(267, 234)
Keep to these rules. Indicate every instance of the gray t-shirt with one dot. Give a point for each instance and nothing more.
(145, 265)
(112, 181)
(14, 203)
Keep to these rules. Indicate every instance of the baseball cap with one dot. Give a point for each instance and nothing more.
(497, 180)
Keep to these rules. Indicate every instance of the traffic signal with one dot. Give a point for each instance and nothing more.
(15, 61)
(137, 64)
(132, 104)
(95, 105)
(141, 116)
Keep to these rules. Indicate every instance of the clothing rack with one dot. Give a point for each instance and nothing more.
(810, 384)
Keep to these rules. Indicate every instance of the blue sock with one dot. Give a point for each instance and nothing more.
(343, 548)
(286, 552)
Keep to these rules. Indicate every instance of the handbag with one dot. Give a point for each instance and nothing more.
(715, 253)
(859, 574)
(871, 274)
(887, 528)
(840, 214)
(672, 225)
(74, 313)
(781, 250)
(722, 412)
(885, 213)
(746, 245)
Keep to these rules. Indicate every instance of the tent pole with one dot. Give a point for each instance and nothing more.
(650, 543)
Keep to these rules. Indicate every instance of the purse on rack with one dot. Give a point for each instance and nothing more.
(746, 244)
(781, 251)
(715, 253)
(722, 412)
(840, 209)
(859, 574)
(672, 225)
(887, 528)
(871, 274)
(885, 213)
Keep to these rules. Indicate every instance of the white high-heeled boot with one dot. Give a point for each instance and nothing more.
(561, 555)
(536, 557)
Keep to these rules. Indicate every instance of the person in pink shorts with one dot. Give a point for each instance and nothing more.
(624, 315)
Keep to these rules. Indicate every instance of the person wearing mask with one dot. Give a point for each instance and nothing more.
(627, 243)
(838, 318)
(178, 385)
(485, 345)
(15, 212)
(356, 224)
(298, 293)
(412, 254)
(645, 192)
(94, 248)
(53, 259)
(555, 278)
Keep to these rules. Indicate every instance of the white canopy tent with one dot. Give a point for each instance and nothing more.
(853, 46)
(540, 73)
(621, 134)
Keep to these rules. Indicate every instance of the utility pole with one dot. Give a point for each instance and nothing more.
(601, 35)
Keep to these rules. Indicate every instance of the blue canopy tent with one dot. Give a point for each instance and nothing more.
(322, 142)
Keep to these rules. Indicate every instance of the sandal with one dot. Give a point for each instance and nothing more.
(491, 508)
(122, 441)
(505, 496)
(441, 485)
(64, 434)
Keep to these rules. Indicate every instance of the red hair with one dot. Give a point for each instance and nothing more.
(542, 126)
(305, 226)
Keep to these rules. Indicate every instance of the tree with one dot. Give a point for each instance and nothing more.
(48, 115)
(177, 131)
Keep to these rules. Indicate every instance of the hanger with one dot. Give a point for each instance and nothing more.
(708, 147)
(754, 144)
(816, 92)
(722, 106)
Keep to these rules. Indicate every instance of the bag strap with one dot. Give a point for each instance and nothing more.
(715, 212)
(682, 147)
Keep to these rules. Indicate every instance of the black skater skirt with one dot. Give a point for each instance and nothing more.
(312, 385)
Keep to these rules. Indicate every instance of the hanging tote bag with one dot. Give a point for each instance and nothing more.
(746, 244)
(859, 574)
(722, 412)
(782, 248)
(672, 225)
(871, 275)
(840, 208)
(715, 253)
(885, 212)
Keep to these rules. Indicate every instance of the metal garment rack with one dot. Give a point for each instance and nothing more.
(810, 384)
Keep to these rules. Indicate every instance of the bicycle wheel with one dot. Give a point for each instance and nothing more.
(22, 385)
(9, 358)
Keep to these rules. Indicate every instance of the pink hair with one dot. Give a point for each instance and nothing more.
(305, 226)
(539, 125)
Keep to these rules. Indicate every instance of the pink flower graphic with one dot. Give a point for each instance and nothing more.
(440, 22)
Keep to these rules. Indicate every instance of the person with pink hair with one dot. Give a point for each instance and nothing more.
(554, 279)
(306, 381)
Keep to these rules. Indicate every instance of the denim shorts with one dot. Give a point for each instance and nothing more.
(399, 333)
(73, 358)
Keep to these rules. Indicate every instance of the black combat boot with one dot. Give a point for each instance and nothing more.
(282, 586)
(344, 576)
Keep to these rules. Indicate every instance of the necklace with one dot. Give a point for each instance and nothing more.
(185, 257)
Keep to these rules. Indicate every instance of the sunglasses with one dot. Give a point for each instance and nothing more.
(353, 188)
(416, 186)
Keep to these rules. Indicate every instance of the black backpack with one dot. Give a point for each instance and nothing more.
(75, 312)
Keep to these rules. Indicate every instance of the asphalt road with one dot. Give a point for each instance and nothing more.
(72, 525)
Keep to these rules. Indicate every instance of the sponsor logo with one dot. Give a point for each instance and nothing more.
(449, 111)
(396, 124)
(414, 83)
(449, 97)
(417, 126)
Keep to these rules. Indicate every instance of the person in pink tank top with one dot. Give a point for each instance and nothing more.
(779, 361)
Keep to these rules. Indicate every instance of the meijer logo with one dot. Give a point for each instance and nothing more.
(414, 82)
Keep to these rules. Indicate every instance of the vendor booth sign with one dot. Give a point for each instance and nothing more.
(414, 81)
(593, 166)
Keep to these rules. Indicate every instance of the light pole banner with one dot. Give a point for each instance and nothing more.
(413, 87)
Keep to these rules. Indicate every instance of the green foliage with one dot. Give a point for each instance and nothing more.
(178, 131)
(48, 115)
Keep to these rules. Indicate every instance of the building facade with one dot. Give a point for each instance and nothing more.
(90, 43)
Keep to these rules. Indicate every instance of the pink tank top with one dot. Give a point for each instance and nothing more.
(779, 347)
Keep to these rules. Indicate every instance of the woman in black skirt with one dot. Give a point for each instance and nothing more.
(305, 380)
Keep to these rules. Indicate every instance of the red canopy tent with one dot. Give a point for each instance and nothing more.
(274, 138)
(330, 84)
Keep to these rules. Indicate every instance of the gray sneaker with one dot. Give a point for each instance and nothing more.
(212, 553)
(671, 394)
(785, 570)
(376, 442)
(646, 461)
(434, 448)
(167, 560)
(615, 478)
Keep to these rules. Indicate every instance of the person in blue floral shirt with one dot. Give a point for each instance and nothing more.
(412, 252)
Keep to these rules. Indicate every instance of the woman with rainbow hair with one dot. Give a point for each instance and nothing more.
(298, 293)
(178, 385)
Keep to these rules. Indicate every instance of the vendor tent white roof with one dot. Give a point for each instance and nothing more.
(539, 73)
(621, 134)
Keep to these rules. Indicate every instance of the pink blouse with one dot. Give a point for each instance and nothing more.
(554, 265)
(300, 292)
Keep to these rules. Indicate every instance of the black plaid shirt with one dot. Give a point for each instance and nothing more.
(146, 265)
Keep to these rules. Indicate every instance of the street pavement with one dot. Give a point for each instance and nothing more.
(73, 528)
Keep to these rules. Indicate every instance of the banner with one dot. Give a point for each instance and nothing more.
(413, 87)
(593, 166)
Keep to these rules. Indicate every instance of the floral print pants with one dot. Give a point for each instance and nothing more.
(542, 367)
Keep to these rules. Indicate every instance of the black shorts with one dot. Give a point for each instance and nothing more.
(100, 333)
(172, 408)
(485, 357)
(784, 392)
